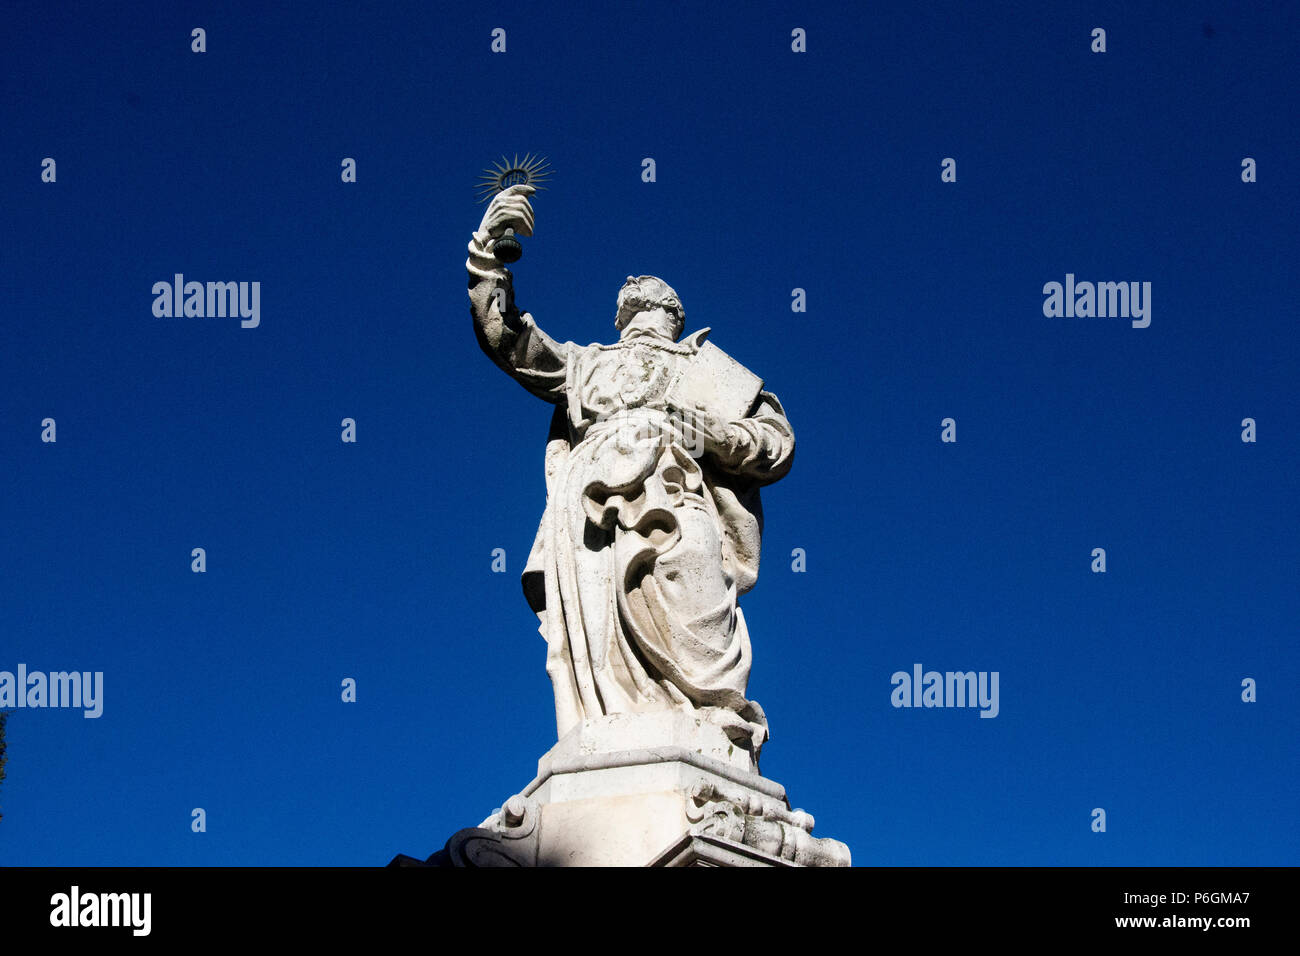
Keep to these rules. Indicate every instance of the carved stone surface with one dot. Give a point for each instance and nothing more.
(652, 526)
(594, 803)
(651, 532)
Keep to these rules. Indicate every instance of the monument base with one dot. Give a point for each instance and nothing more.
(659, 789)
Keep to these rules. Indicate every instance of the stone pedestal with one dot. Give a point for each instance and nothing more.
(659, 789)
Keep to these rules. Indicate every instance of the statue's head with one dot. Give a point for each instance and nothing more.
(649, 304)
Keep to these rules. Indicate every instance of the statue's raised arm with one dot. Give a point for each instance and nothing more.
(510, 338)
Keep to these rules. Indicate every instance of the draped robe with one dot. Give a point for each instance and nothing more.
(646, 541)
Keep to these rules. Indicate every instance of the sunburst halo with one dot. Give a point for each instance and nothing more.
(533, 171)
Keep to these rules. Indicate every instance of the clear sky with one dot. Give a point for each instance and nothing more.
(775, 170)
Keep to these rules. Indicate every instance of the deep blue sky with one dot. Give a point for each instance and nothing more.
(776, 170)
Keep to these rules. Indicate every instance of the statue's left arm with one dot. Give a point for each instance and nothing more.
(759, 446)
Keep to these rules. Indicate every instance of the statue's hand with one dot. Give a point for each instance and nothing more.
(702, 431)
(509, 209)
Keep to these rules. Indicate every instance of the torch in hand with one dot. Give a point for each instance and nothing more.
(532, 171)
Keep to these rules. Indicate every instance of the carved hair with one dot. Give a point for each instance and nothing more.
(644, 294)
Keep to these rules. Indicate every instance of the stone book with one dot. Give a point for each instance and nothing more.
(718, 382)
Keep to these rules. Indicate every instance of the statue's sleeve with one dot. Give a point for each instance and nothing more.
(761, 445)
(511, 338)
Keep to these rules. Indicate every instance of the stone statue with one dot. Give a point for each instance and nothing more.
(658, 447)
(651, 532)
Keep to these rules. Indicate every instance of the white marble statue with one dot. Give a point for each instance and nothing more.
(651, 532)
